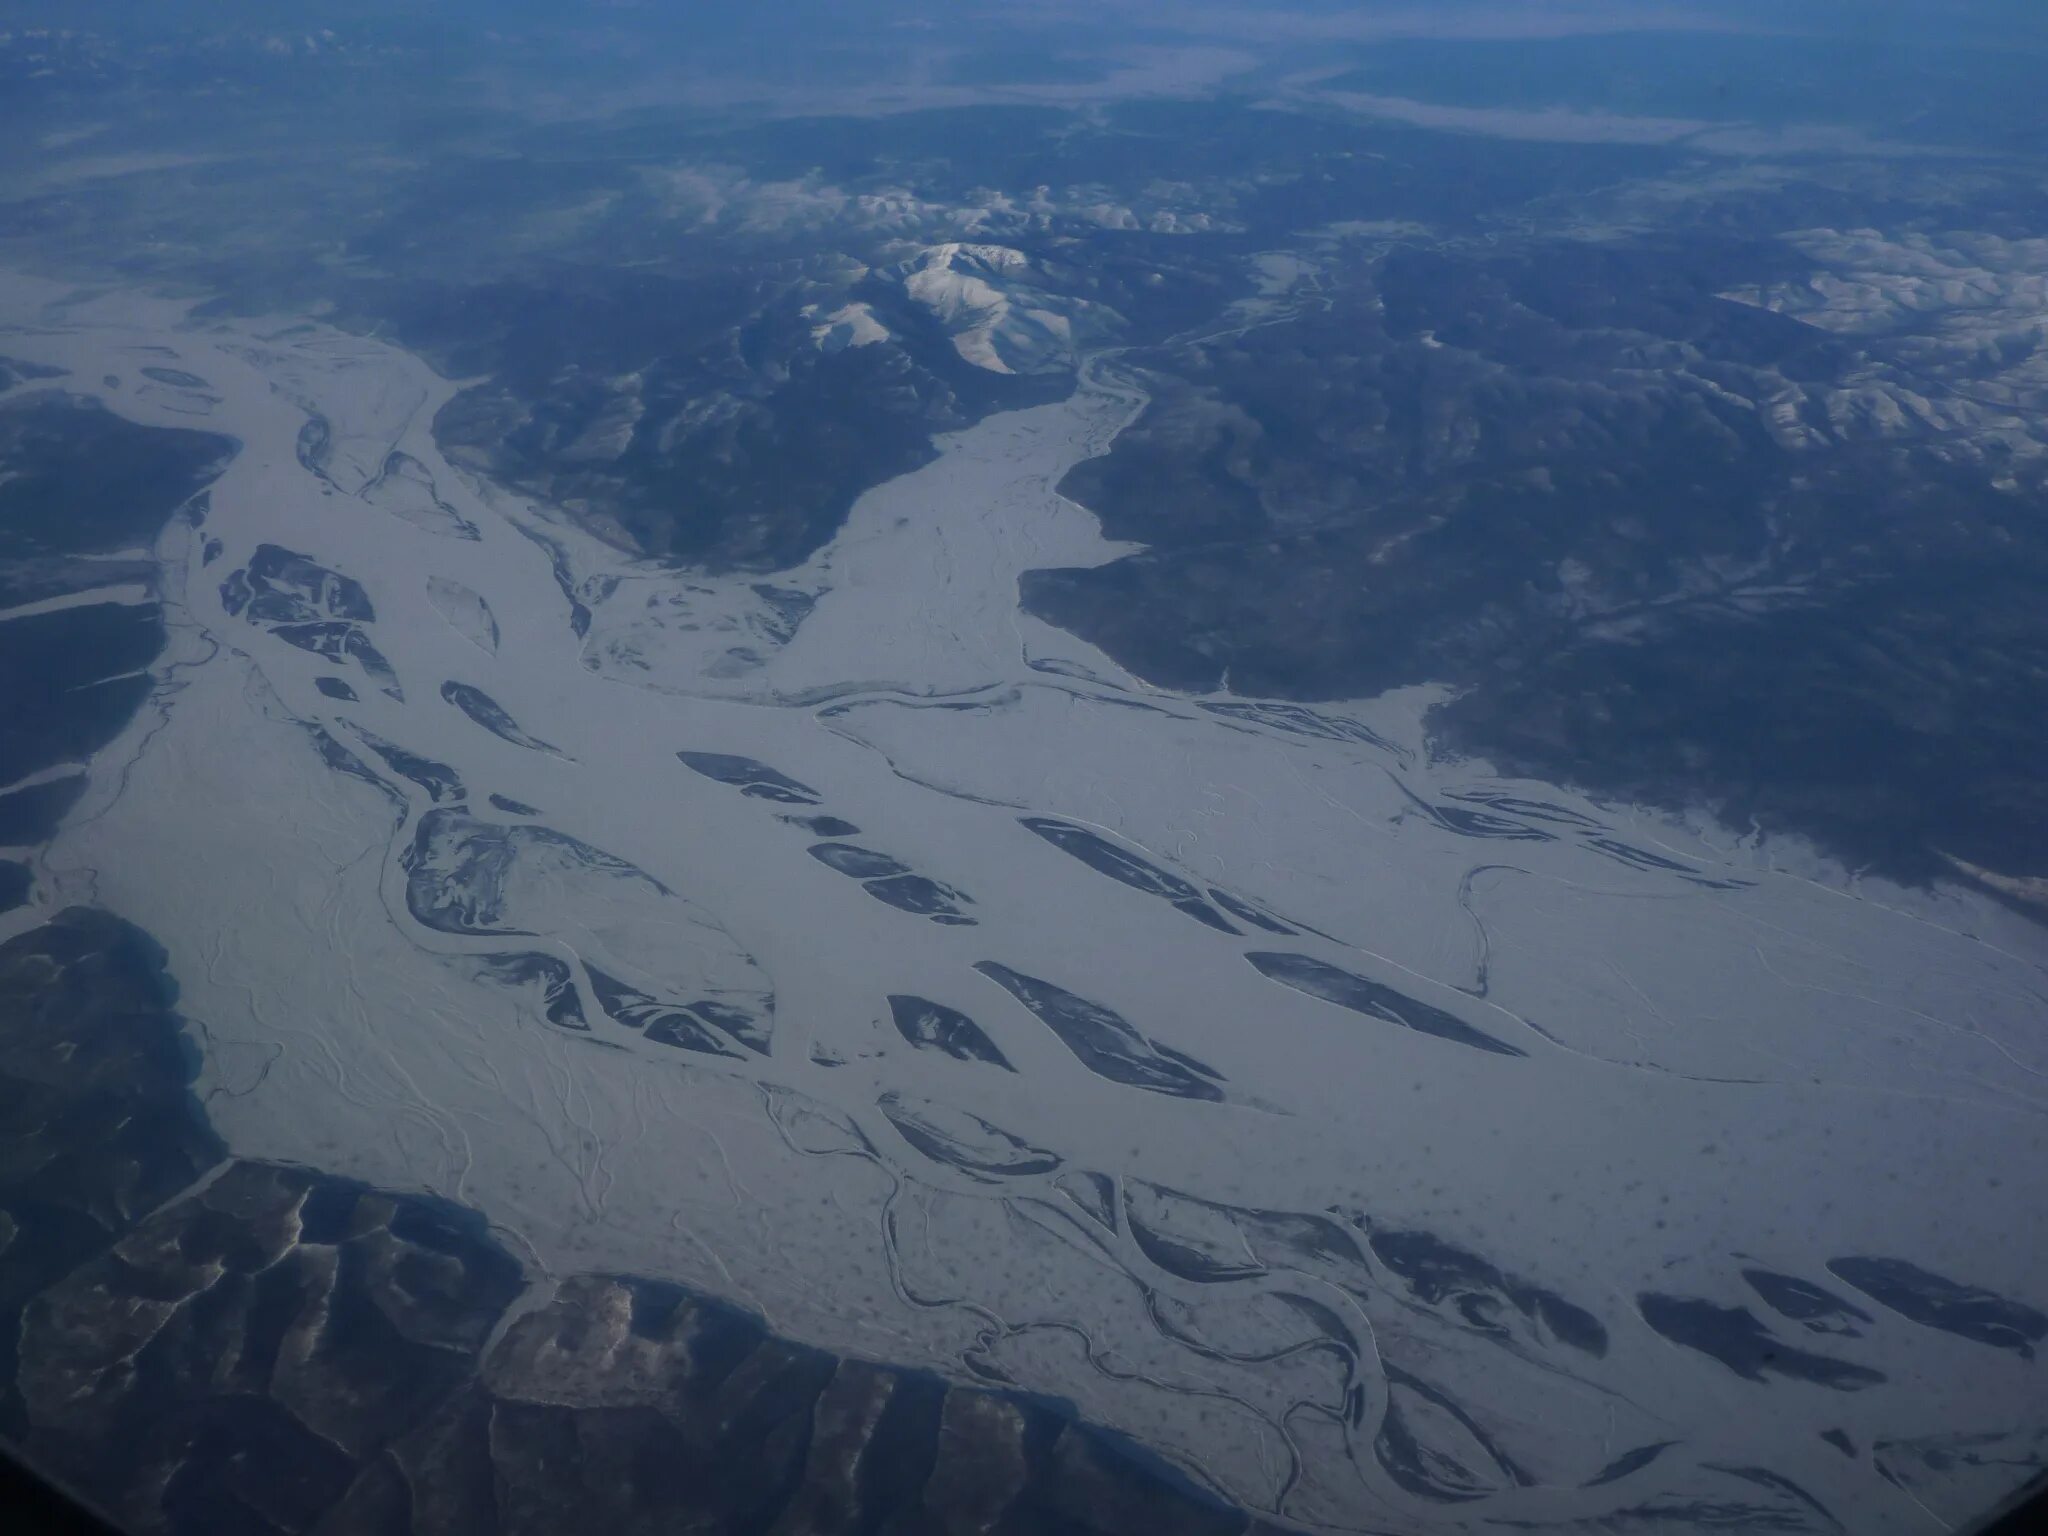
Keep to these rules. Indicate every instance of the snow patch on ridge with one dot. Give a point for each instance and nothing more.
(999, 318)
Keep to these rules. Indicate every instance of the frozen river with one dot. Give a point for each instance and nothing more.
(1389, 1145)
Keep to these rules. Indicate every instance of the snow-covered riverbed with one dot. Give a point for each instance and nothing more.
(1388, 1144)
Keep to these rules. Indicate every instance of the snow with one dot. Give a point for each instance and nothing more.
(1731, 1054)
(851, 325)
(998, 318)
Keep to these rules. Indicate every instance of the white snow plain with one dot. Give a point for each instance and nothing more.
(1375, 1266)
